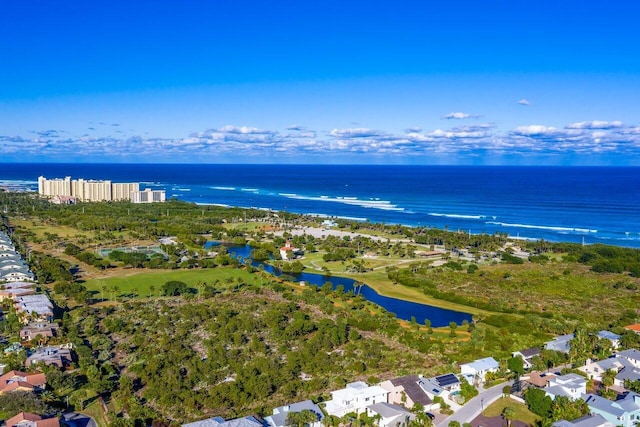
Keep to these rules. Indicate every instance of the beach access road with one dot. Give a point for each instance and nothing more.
(475, 406)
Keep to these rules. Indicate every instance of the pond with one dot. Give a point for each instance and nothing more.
(402, 309)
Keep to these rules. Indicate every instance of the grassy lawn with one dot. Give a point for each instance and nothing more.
(141, 281)
(522, 413)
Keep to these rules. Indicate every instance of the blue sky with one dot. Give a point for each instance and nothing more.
(402, 82)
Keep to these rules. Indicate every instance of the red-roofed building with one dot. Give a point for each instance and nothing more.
(635, 328)
(21, 381)
(26, 419)
(289, 252)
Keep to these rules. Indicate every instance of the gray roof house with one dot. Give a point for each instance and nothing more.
(560, 343)
(632, 356)
(220, 422)
(407, 391)
(527, 356)
(391, 415)
(613, 338)
(279, 417)
(623, 412)
(594, 420)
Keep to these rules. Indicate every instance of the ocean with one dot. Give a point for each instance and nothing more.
(572, 204)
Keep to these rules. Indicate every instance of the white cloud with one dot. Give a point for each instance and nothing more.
(595, 124)
(355, 133)
(524, 102)
(458, 115)
(534, 130)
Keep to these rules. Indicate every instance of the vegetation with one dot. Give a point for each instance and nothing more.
(197, 326)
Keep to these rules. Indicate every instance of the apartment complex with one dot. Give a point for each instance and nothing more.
(148, 196)
(86, 190)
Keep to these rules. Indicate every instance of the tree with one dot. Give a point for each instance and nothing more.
(453, 326)
(516, 366)
(509, 414)
(538, 402)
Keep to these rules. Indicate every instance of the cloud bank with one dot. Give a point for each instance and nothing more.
(230, 143)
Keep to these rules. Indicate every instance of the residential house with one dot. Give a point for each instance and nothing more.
(355, 397)
(478, 369)
(614, 339)
(390, 415)
(56, 355)
(35, 329)
(406, 391)
(280, 414)
(592, 420)
(632, 356)
(249, 421)
(571, 385)
(12, 293)
(26, 419)
(538, 379)
(21, 381)
(34, 306)
(625, 411)
(440, 386)
(595, 370)
(560, 343)
(527, 356)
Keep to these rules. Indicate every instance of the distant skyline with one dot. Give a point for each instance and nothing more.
(375, 82)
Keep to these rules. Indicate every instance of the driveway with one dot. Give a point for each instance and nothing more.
(475, 406)
(75, 419)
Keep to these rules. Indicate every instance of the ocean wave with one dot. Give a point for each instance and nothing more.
(224, 188)
(544, 227)
(460, 216)
(212, 204)
(250, 190)
(353, 201)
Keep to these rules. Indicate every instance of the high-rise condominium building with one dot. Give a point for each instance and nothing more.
(86, 190)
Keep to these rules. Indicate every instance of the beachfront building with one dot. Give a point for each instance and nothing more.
(148, 196)
(86, 190)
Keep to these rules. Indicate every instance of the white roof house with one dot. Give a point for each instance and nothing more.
(355, 397)
(279, 417)
(571, 385)
(479, 368)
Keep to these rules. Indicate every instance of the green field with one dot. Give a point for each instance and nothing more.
(139, 283)
(522, 412)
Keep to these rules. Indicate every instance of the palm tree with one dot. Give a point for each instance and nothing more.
(509, 414)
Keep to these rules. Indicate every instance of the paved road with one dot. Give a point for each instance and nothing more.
(472, 408)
